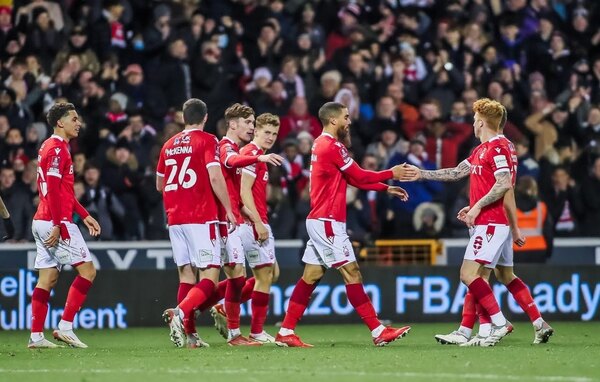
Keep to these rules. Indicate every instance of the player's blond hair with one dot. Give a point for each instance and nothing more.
(490, 111)
(237, 110)
(267, 119)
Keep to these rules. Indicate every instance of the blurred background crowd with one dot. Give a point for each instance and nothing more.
(409, 71)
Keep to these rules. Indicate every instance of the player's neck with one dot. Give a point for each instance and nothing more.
(264, 149)
(61, 133)
(487, 134)
(230, 135)
(330, 131)
(193, 127)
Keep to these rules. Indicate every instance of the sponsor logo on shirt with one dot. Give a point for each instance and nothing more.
(500, 161)
(476, 169)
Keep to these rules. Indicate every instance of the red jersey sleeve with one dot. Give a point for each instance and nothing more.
(160, 167)
(498, 158)
(211, 153)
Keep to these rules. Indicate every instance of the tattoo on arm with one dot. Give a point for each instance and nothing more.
(448, 174)
(503, 184)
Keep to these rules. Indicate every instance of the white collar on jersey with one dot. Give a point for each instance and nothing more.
(188, 130)
(255, 145)
(495, 137)
(226, 138)
(329, 135)
(57, 137)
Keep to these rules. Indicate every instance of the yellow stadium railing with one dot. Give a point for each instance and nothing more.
(401, 252)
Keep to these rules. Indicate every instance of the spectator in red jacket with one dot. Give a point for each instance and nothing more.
(298, 119)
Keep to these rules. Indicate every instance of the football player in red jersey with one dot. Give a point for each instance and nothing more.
(489, 166)
(257, 236)
(57, 238)
(504, 271)
(329, 246)
(189, 176)
(240, 129)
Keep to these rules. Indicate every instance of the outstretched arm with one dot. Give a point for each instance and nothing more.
(447, 174)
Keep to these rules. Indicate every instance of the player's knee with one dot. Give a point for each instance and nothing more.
(505, 277)
(275, 274)
(88, 273)
(467, 277)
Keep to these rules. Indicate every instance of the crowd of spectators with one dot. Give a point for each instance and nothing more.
(408, 70)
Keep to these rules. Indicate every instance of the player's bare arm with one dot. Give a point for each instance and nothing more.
(444, 174)
(160, 183)
(217, 182)
(248, 202)
(502, 185)
(394, 191)
(510, 206)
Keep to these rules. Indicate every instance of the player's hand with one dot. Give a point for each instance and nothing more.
(10, 229)
(462, 214)
(274, 159)
(52, 240)
(92, 226)
(231, 221)
(518, 237)
(471, 216)
(406, 172)
(398, 192)
(262, 232)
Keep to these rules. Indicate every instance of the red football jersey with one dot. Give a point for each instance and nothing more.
(260, 172)
(183, 163)
(514, 161)
(233, 178)
(488, 159)
(327, 183)
(54, 159)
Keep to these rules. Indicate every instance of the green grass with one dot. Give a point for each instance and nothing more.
(342, 353)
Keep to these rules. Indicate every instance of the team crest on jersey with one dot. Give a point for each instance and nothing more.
(477, 244)
(483, 151)
(346, 251)
(185, 140)
(489, 233)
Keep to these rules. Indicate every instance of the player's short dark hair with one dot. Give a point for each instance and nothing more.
(194, 111)
(57, 111)
(330, 110)
(237, 110)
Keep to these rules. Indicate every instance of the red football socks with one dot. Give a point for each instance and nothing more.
(483, 294)
(77, 294)
(248, 289)
(521, 293)
(195, 297)
(298, 303)
(184, 289)
(468, 313)
(39, 309)
(233, 296)
(260, 306)
(484, 317)
(362, 304)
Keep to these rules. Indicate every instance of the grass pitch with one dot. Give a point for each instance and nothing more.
(342, 353)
